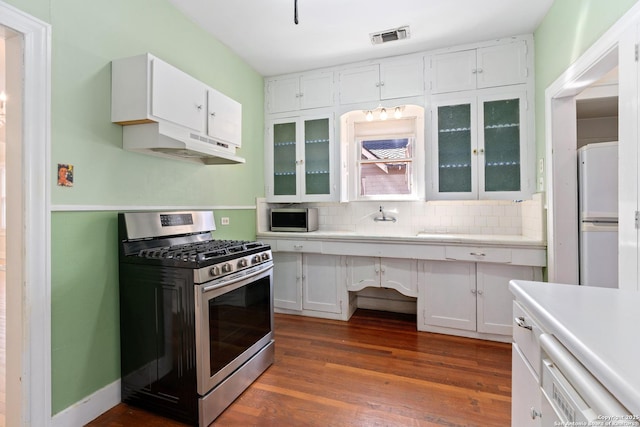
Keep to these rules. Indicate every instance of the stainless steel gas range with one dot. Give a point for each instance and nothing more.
(196, 314)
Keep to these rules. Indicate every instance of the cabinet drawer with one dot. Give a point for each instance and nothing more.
(478, 254)
(299, 246)
(526, 333)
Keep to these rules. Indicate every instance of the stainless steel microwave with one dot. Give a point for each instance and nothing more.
(294, 219)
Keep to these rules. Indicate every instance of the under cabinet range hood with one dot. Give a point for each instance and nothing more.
(176, 142)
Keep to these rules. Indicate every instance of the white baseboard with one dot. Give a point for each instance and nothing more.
(89, 408)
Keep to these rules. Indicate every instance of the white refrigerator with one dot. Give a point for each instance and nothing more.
(598, 202)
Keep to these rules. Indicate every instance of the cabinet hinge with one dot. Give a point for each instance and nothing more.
(636, 52)
(637, 220)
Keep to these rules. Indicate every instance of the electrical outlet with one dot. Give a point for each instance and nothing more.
(224, 220)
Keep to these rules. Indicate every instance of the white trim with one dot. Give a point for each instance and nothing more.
(89, 408)
(33, 390)
(561, 196)
(129, 208)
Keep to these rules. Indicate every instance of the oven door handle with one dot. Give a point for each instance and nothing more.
(582, 380)
(224, 283)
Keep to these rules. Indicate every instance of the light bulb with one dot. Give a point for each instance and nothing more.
(369, 116)
(397, 113)
(383, 114)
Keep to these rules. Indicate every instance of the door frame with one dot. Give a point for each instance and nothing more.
(28, 220)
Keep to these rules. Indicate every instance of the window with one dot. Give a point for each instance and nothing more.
(383, 159)
(385, 166)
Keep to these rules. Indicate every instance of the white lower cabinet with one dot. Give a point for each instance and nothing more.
(321, 281)
(468, 296)
(287, 280)
(307, 283)
(392, 273)
(526, 397)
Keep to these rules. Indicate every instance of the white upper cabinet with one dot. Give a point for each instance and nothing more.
(492, 66)
(177, 97)
(146, 89)
(396, 78)
(300, 92)
(224, 118)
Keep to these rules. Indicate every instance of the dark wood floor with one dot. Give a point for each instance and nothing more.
(375, 370)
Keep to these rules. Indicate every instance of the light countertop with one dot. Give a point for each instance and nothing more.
(420, 238)
(600, 326)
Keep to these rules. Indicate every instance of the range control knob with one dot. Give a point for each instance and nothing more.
(265, 256)
(215, 271)
(256, 259)
(242, 263)
(226, 268)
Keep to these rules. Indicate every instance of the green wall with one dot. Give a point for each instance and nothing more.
(86, 36)
(568, 30)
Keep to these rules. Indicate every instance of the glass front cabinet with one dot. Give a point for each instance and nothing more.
(479, 147)
(299, 155)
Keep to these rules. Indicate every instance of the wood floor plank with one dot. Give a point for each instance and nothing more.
(375, 370)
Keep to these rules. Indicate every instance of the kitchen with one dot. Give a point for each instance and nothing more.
(82, 132)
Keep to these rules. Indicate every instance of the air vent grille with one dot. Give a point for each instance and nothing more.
(399, 33)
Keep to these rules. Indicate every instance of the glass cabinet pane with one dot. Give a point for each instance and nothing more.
(502, 145)
(454, 148)
(317, 156)
(284, 159)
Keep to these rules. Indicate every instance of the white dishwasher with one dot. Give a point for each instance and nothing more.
(572, 396)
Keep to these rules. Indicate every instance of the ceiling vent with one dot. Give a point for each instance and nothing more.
(390, 35)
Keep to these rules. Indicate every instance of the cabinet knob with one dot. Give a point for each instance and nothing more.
(199, 107)
(213, 114)
(475, 152)
(479, 292)
(474, 71)
(535, 414)
(381, 83)
(473, 291)
(480, 70)
(482, 151)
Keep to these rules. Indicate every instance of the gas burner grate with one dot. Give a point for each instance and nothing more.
(200, 251)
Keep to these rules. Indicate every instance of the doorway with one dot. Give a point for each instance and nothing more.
(27, 71)
(616, 48)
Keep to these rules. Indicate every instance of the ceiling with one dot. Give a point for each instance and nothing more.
(334, 32)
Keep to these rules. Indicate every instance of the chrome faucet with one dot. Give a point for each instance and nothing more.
(383, 217)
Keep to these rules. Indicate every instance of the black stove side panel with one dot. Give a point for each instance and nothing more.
(157, 340)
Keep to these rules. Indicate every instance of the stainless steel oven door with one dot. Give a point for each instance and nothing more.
(234, 320)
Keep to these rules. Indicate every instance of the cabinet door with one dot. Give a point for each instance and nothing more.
(502, 144)
(452, 72)
(360, 85)
(316, 90)
(283, 94)
(224, 118)
(287, 280)
(401, 78)
(284, 156)
(502, 65)
(495, 301)
(450, 294)
(318, 152)
(177, 97)
(321, 281)
(455, 156)
(362, 272)
(526, 394)
(399, 274)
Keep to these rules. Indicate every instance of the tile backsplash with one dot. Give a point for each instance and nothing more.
(504, 217)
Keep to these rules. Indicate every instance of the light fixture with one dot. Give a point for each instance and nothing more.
(397, 112)
(3, 103)
(369, 115)
(383, 114)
